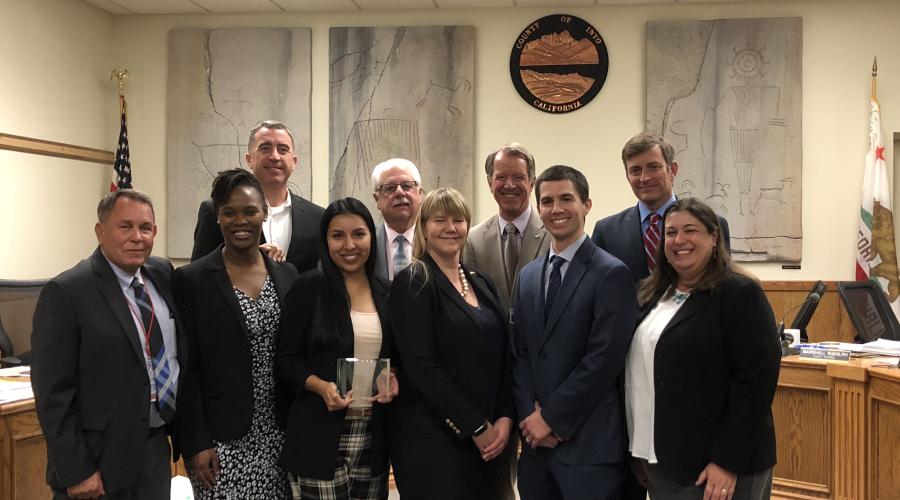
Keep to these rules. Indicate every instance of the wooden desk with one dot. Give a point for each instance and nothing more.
(838, 430)
(23, 453)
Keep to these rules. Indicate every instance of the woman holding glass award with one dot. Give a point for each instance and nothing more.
(231, 302)
(336, 427)
(454, 417)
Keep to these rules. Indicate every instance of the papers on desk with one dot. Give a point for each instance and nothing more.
(15, 384)
(880, 346)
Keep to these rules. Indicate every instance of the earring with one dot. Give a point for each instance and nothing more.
(715, 252)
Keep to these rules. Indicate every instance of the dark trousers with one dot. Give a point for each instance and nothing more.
(756, 486)
(543, 477)
(155, 481)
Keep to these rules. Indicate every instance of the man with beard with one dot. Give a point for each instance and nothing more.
(397, 189)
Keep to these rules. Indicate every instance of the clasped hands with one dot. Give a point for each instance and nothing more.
(493, 440)
(537, 432)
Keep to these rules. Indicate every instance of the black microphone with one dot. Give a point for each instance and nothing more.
(812, 298)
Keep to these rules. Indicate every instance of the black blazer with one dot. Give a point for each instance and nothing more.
(305, 219)
(453, 374)
(217, 397)
(715, 370)
(621, 235)
(312, 432)
(89, 374)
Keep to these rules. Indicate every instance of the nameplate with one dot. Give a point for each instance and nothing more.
(824, 353)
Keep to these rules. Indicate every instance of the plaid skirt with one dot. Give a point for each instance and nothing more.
(353, 479)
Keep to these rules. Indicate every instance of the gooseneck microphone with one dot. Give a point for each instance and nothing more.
(812, 298)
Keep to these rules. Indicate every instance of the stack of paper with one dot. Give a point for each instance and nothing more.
(15, 384)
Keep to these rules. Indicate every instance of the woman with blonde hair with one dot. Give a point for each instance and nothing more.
(455, 414)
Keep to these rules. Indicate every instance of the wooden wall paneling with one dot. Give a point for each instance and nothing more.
(884, 435)
(830, 322)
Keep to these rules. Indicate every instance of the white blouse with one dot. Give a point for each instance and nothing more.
(366, 345)
(640, 396)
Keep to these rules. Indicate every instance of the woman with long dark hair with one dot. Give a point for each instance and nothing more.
(335, 444)
(702, 368)
(231, 302)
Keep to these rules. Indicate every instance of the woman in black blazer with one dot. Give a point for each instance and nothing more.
(231, 302)
(454, 416)
(702, 369)
(335, 445)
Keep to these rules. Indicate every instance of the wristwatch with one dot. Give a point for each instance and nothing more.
(480, 430)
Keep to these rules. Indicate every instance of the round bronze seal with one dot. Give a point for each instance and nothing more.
(559, 63)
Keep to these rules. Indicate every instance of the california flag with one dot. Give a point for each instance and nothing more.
(876, 256)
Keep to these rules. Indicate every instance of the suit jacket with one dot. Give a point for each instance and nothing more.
(571, 363)
(484, 252)
(621, 235)
(305, 220)
(454, 374)
(383, 247)
(217, 400)
(715, 371)
(313, 432)
(89, 374)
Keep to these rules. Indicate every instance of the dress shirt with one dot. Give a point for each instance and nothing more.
(392, 246)
(166, 325)
(645, 214)
(567, 255)
(640, 394)
(521, 223)
(277, 227)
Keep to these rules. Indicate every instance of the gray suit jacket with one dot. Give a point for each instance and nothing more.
(381, 244)
(484, 252)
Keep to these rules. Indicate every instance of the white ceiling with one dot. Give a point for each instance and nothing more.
(263, 6)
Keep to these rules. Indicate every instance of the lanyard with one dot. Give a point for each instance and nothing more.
(145, 329)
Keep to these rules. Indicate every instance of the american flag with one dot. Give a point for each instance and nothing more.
(122, 168)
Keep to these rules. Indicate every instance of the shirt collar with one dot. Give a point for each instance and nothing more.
(392, 235)
(521, 222)
(645, 210)
(123, 276)
(568, 253)
(280, 208)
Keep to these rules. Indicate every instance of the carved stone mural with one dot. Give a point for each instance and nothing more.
(727, 94)
(401, 92)
(221, 83)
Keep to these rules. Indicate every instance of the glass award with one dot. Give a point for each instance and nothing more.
(366, 378)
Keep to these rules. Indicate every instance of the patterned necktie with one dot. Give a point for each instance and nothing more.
(400, 260)
(651, 240)
(512, 252)
(553, 285)
(165, 384)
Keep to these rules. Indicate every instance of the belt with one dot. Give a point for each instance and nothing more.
(359, 412)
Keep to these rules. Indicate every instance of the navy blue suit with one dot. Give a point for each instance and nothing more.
(621, 235)
(571, 364)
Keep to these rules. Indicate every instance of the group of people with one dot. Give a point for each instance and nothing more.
(522, 352)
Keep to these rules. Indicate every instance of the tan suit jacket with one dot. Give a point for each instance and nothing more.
(484, 252)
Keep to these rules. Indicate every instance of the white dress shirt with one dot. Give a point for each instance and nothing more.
(392, 246)
(277, 227)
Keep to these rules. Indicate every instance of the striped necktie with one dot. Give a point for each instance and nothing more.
(512, 252)
(164, 382)
(651, 240)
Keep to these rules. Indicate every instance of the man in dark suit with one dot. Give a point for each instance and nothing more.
(650, 169)
(292, 226)
(397, 189)
(574, 312)
(107, 357)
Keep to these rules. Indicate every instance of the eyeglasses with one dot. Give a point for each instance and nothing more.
(405, 186)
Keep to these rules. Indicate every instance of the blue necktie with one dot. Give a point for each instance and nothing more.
(553, 285)
(165, 385)
(400, 260)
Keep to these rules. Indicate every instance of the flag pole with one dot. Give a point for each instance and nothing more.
(120, 75)
(121, 177)
(874, 75)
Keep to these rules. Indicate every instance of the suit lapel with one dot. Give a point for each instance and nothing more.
(280, 278)
(381, 266)
(112, 293)
(490, 234)
(574, 275)
(636, 241)
(532, 240)
(694, 303)
(219, 276)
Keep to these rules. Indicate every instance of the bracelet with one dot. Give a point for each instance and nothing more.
(480, 430)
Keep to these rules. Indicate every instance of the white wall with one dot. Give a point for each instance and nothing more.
(840, 39)
(56, 62)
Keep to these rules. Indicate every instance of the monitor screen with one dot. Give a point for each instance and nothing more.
(869, 311)
(17, 302)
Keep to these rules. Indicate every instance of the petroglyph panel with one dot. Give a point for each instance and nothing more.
(401, 92)
(727, 94)
(221, 83)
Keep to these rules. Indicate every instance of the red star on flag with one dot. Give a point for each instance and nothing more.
(879, 153)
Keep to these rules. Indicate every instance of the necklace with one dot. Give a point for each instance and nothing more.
(680, 296)
(463, 281)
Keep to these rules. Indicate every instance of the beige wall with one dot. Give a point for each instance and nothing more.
(55, 64)
(840, 39)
